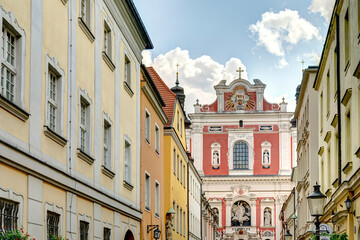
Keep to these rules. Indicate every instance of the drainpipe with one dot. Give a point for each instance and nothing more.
(338, 94)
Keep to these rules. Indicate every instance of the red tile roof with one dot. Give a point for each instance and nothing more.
(167, 95)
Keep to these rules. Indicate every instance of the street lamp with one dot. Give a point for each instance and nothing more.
(316, 202)
(288, 235)
(157, 232)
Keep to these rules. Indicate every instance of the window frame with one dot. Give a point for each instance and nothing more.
(84, 98)
(87, 219)
(147, 191)
(241, 161)
(157, 139)
(157, 199)
(127, 70)
(127, 159)
(109, 227)
(52, 207)
(11, 196)
(107, 131)
(147, 126)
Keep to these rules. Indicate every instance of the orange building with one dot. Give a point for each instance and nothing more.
(152, 120)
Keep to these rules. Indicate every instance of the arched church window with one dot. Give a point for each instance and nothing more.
(240, 214)
(215, 155)
(267, 217)
(241, 156)
(266, 154)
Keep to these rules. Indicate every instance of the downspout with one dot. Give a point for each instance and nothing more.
(338, 94)
(188, 212)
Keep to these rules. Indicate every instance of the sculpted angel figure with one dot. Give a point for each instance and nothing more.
(241, 213)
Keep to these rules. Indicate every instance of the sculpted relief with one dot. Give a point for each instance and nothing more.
(240, 214)
(239, 99)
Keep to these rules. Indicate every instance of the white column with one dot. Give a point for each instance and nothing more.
(278, 205)
(197, 147)
(35, 207)
(97, 221)
(253, 213)
(71, 215)
(284, 149)
(228, 212)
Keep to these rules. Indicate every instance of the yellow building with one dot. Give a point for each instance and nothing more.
(337, 84)
(175, 156)
(69, 149)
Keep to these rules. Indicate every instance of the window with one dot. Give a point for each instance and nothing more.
(241, 156)
(85, 11)
(348, 142)
(177, 166)
(127, 161)
(107, 39)
(181, 173)
(8, 215)
(147, 191)
(180, 221)
(147, 126)
(181, 127)
(241, 123)
(157, 139)
(174, 160)
(347, 38)
(12, 63)
(157, 199)
(321, 110)
(107, 143)
(107, 233)
(127, 71)
(328, 98)
(174, 217)
(52, 221)
(184, 219)
(177, 218)
(84, 122)
(177, 122)
(84, 230)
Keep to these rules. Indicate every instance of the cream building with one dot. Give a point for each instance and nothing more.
(194, 188)
(307, 170)
(69, 150)
(337, 84)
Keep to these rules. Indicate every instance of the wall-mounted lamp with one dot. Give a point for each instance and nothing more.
(288, 235)
(348, 203)
(157, 232)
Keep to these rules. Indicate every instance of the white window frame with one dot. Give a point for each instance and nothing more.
(107, 45)
(85, 218)
(147, 126)
(181, 173)
(147, 192)
(107, 129)
(108, 226)
(181, 221)
(157, 139)
(157, 199)
(127, 159)
(87, 11)
(127, 69)
(12, 196)
(174, 161)
(9, 21)
(84, 97)
(53, 68)
(52, 207)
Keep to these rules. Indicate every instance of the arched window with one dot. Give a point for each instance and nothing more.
(241, 156)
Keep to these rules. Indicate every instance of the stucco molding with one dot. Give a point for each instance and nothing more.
(52, 207)
(85, 218)
(9, 194)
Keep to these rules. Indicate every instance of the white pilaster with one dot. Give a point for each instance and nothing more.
(197, 147)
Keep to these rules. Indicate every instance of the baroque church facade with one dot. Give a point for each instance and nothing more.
(244, 148)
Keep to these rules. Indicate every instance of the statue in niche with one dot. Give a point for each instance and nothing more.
(266, 159)
(169, 226)
(267, 217)
(216, 158)
(240, 214)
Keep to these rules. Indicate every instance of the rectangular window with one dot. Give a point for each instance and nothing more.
(127, 162)
(174, 217)
(177, 122)
(8, 215)
(52, 222)
(157, 199)
(328, 98)
(348, 139)
(147, 191)
(177, 166)
(181, 127)
(184, 222)
(321, 110)
(147, 126)
(85, 11)
(84, 131)
(107, 233)
(107, 39)
(181, 173)
(84, 230)
(157, 139)
(107, 145)
(347, 37)
(177, 219)
(174, 160)
(184, 175)
(52, 102)
(335, 67)
(127, 71)
(180, 221)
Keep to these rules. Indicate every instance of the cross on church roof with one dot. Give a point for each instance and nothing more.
(239, 71)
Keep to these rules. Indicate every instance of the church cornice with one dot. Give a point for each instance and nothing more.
(245, 179)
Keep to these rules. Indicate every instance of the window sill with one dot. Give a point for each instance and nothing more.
(128, 186)
(335, 183)
(147, 209)
(54, 136)
(107, 172)
(86, 30)
(157, 215)
(108, 61)
(157, 152)
(321, 151)
(64, 1)
(347, 67)
(128, 89)
(346, 98)
(347, 167)
(13, 109)
(328, 192)
(357, 153)
(84, 156)
(147, 141)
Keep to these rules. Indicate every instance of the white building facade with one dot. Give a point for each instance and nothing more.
(194, 186)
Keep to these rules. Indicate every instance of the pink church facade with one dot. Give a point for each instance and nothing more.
(244, 148)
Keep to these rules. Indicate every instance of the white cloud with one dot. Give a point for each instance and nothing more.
(197, 76)
(313, 58)
(282, 63)
(324, 7)
(278, 32)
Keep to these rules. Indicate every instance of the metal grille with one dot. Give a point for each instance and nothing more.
(84, 230)
(241, 156)
(8, 215)
(52, 224)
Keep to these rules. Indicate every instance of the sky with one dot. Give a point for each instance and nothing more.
(211, 39)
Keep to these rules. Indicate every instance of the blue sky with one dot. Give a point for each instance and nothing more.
(211, 39)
